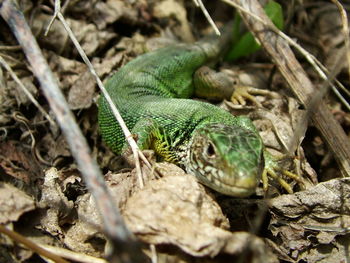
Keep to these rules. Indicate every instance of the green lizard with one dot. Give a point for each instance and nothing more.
(152, 94)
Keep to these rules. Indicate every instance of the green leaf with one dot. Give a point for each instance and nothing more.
(244, 45)
(274, 11)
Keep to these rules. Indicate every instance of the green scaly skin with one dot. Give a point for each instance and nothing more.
(152, 94)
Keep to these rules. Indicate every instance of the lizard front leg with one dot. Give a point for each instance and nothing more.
(151, 136)
(216, 86)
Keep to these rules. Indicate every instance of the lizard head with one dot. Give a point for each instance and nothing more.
(226, 158)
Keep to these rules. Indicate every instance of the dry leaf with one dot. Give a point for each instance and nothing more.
(172, 8)
(13, 203)
(54, 202)
(176, 210)
(18, 162)
(304, 222)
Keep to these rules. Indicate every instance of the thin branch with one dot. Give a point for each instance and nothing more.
(125, 244)
(71, 255)
(136, 152)
(199, 3)
(31, 245)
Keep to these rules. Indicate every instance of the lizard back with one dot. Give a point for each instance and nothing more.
(157, 85)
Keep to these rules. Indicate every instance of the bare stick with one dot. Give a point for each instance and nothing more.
(200, 4)
(114, 225)
(31, 245)
(135, 150)
(71, 255)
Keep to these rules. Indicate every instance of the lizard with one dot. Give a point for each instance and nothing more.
(152, 93)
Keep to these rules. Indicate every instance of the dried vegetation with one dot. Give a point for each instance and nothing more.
(43, 196)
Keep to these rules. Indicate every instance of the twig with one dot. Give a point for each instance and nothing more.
(31, 245)
(295, 76)
(25, 90)
(135, 150)
(114, 225)
(71, 255)
(10, 48)
(199, 3)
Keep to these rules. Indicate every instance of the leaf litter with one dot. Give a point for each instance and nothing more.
(185, 220)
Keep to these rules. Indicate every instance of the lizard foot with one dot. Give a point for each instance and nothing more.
(271, 167)
(244, 93)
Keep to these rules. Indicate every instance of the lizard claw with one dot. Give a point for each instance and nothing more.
(243, 93)
(271, 167)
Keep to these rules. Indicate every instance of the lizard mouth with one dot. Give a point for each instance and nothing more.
(236, 185)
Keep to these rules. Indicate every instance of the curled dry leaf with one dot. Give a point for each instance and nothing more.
(13, 203)
(90, 38)
(177, 210)
(54, 202)
(54, 147)
(57, 40)
(17, 92)
(174, 210)
(81, 94)
(172, 8)
(108, 12)
(18, 162)
(305, 221)
(85, 235)
(68, 71)
(88, 35)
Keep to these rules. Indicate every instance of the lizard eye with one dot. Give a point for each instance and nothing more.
(210, 151)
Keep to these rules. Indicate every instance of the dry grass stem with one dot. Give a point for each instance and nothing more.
(31, 245)
(127, 133)
(25, 90)
(200, 4)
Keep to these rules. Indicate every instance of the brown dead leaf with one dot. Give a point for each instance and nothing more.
(17, 92)
(81, 94)
(304, 222)
(13, 203)
(90, 38)
(54, 147)
(57, 40)
(173, 210)
(85, 235)
(108, 12)
(177, 210)
(172, 8)
(54, 202)
(17, 162)
(68, 71)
